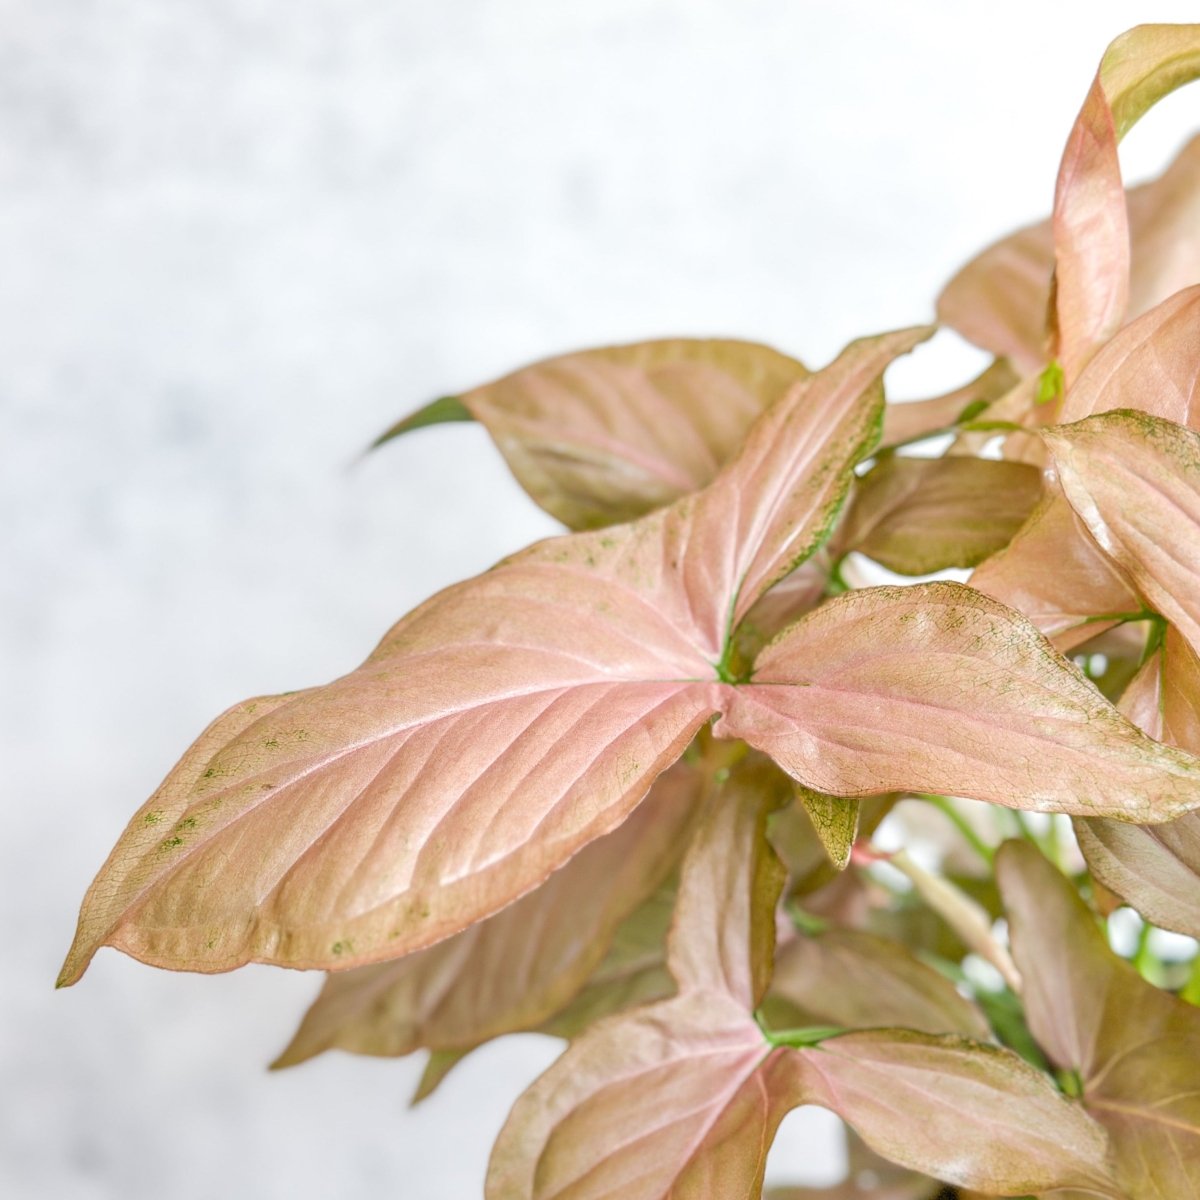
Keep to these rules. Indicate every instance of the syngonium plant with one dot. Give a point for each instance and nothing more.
(623, 787)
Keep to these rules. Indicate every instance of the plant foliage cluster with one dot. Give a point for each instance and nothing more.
(623, 788)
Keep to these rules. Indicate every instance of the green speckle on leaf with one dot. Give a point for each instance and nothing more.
(344, 947)
(170, 843)
(152, 818)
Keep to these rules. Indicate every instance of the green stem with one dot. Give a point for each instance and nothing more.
(963, 826)
(805, 922)
(810, 1035)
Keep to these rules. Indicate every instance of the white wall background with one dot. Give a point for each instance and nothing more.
(239, 237)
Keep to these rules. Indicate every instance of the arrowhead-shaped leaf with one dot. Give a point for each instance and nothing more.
(1134, 480)
(1136, 1048)
(518, 968)
(938, 688)
(921, 515)
(495, 731)
(1091, 226)
(605, 435)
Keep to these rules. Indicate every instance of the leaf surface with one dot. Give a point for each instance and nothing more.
(494, 732)
(857, 980)
(605, 435)
(1091, 225)
(999, 300)
(1134, 480)
(921, 515)
(938, 688)
(1135, 1048)
(518, 968)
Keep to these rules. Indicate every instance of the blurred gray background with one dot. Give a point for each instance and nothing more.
(237, 239)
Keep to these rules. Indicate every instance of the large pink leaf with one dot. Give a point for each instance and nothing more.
(999, 300)
(938, 688)
(494, 732)
(1135, 482)
(1156, 868)
(606, 435)
(518, 968)
(1135, 1048)
(1091, 226)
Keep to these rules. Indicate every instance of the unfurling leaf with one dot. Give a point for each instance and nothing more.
(921, 515)
(999, 300)
(518, 968)
(1135, 1048)
(601, 436)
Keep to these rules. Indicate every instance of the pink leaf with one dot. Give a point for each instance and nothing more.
(1134, 1047)
(1091, 228)
(1134, 480)
(938, 688)
(606, 435)
(519, 967)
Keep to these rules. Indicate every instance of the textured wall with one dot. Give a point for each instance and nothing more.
(237, 238)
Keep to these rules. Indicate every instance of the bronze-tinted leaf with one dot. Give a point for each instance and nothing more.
(605, 435)
(1135, 1048)
(921, 515)
(857, 980)
(681, 1098)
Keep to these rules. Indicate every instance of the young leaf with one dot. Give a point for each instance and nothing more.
(999, 300)
(861, 981)
(519, 967)
(494, 732)
(1134, 480)
(938, 688)
(1134, 1047)
(1091, 227)
(921, 515)
(601, 436)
